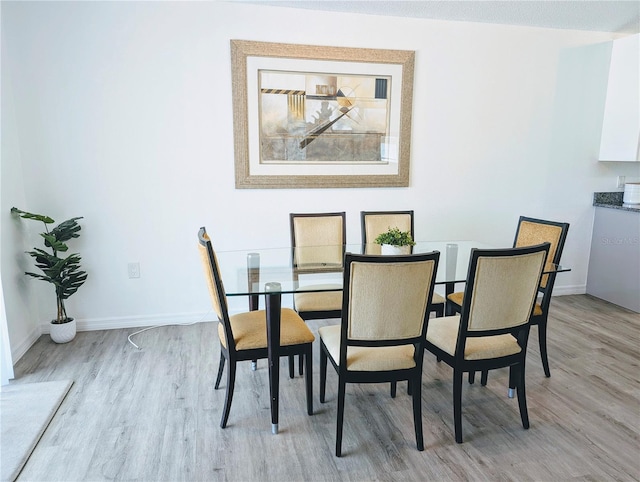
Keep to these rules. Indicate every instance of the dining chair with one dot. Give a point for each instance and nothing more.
(243, 336)
(493, 326)
(318, 246)
(374, 223)
(531, 231)
(381, 336)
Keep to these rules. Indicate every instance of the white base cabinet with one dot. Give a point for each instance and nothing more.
(614, 264)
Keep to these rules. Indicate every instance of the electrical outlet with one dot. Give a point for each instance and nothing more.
(621, 182)
(134, 270)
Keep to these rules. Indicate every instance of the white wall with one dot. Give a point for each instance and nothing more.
(23, 327)
(124, 116)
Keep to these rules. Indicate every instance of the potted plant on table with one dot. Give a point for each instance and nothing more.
(394, 241)
(64, 273)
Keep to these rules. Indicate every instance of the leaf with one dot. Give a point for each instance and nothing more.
(39, 276)
(37, 217)
(67, 229)
(53, 243)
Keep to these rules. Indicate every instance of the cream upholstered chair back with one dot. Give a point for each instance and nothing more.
(382, 334)
(318, 240)
(214, 281)
(492, 330)
(374, 223)
(531, 232)
(536, 231)
(504, 286)
(388, 297)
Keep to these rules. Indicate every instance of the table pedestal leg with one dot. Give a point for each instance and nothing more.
(254, 304)
(273, 303)
(451, 255)
(448, 289)
(253, 277)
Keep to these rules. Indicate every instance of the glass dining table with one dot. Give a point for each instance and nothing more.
(272, 272)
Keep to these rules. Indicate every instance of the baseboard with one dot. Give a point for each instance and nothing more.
(93, 324)
(18, 351)
(569, 290)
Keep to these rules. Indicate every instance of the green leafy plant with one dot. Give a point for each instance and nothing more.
(395, 237)
(64, 273)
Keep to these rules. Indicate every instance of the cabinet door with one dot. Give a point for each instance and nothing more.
(614, 264)
(621, 126)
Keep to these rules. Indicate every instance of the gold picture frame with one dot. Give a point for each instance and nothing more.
(309, 116)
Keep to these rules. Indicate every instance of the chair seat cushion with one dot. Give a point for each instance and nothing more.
(537, 310)
(443, 333)
(250, 330)
(456, 298)
(364, 358)
(437, 299)
(321, 301)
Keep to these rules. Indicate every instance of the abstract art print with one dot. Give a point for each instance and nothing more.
(313, 117)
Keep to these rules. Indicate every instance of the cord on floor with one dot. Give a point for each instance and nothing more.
(171, 324)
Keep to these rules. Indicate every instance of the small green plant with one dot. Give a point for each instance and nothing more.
(64, 273)
(395, 237)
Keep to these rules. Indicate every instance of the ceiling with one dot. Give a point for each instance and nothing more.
(618, 16)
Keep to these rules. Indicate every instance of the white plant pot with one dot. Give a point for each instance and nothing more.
(63, 333)
(391, 249)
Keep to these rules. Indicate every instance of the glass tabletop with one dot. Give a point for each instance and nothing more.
(247, 272)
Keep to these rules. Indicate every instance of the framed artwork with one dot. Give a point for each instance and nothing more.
(321, 117)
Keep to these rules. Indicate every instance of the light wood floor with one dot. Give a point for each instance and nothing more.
(152, 414)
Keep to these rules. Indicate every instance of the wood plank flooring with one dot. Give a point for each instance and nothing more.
(152, 414)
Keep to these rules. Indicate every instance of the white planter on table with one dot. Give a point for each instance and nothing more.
(391, 249)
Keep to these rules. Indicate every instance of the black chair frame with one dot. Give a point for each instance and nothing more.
(413, 375)
(516, 362)
(233, 356)
(538, 320)
(320, 314)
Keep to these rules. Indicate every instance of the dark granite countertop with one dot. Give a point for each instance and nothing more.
(612, 200)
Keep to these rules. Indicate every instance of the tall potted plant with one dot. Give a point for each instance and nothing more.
(64, 273)
(394, 241)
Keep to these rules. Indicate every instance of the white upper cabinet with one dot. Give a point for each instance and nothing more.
(621, 127)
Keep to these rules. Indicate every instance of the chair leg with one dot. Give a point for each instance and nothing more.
(472, 377)
(457, 404)
(449, 311)
(309, 379)
(323, 373)
(231, 381)
(417, 412)
(340, 419)
(300, 365)
(483, 377)
(522, 398)
(394, 386)
(451, 308)
(542, 338)
(291, 366)
(220, 370)
(512, 382)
